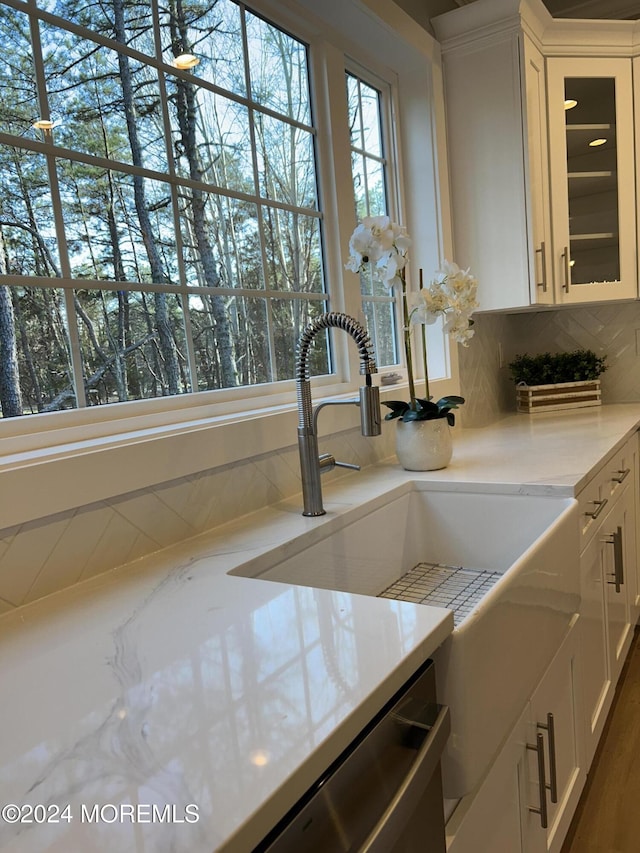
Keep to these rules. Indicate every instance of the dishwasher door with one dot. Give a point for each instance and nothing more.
(384, 793)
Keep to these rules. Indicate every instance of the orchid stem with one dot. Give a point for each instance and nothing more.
(407, 345)
(424, 349)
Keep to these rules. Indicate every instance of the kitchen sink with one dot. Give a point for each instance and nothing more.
(507, 564)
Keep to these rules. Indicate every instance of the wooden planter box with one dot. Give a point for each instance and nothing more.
(554, 398)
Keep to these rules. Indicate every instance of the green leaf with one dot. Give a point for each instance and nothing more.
(398, 408)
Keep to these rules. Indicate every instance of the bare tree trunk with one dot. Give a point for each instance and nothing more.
(187, 119)
(10, 396)
(158, 274)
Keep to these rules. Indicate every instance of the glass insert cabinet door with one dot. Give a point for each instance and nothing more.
(592, 178)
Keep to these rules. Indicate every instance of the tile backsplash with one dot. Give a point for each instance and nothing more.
(43, 556)
(612, 329)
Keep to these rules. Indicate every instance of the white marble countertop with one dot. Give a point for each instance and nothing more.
(171, 684)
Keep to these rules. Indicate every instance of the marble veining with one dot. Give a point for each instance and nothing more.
(177, 685)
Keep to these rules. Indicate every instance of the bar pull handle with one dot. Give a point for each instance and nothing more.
(538, 747)
(409, 795)
(567, 269)
(600, 505)
(550, 729)
(542, 251)
(623, 474)
(618, 558)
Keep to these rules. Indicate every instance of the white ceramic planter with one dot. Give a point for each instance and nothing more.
(424, 445)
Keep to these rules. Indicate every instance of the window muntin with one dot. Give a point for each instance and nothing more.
(166, 185)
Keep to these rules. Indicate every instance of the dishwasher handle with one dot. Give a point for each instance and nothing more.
(409, 794)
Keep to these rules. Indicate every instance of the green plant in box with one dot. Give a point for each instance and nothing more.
(553, 368)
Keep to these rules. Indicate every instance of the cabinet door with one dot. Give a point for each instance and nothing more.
(618, 539)
(556, 714)
(495, 818)
(592, 178)
(541, 275)
(597, 686)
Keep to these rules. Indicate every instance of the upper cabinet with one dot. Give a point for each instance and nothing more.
(592, 178)
(543, 210)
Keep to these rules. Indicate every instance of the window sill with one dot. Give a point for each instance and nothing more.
(48, 480)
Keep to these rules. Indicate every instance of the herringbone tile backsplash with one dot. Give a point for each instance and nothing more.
(609, 330)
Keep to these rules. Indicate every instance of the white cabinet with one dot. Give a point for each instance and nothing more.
(495, 101)
(609, 590)
(522, 806)
(526, 801)
(556, 714)
(541, 281)
(542, 197)
(592, 178)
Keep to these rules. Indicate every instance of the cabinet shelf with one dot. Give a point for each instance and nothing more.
(590, 128)
(591, 183)
(584, 237)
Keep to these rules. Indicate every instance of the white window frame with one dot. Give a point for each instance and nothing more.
(53, 462)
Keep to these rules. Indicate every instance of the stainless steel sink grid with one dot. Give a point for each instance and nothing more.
(455, 587)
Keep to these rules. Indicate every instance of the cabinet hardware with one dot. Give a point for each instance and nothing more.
(543, 264)
(624, 473)
(567, 269)
(550, 728)
(538, 747)
(615, 539)
(600, 505)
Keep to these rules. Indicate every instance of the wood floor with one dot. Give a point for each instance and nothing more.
(608, 817)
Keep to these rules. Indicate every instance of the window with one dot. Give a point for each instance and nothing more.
(369, 168)
(160, 227)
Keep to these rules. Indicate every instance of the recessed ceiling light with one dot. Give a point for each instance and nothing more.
(570, 103)
(595, 142)
(185, 61)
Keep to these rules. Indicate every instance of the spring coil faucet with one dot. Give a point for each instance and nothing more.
(312, 465)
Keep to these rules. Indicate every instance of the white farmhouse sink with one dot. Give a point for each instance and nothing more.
(488, 667)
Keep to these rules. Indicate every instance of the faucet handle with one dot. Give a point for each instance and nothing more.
(347, 465)
(328, 462)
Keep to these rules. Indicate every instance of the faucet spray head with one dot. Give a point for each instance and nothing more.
(370, 418)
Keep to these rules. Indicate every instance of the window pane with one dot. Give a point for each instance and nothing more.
(221, 241)
(119, 226)
(215, 145)
(278, 70)
(368, 170)
(91, 90)
(246, 329)
(381, 322)
(137, 21)
(214, 35)
(44, 366)
(18, 95)
(132, 345)
(292, 243)
(285, 162)
(27, 232)
(290, 318)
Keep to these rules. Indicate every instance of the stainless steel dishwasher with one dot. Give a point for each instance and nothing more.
(384, 793)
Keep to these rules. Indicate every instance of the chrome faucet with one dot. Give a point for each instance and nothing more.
(312, 465)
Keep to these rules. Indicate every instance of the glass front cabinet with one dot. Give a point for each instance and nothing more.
(591, 154)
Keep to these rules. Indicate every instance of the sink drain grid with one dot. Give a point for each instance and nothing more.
(455, 587)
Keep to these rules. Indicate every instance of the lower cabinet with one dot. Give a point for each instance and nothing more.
(527, 800)
(608, 568)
